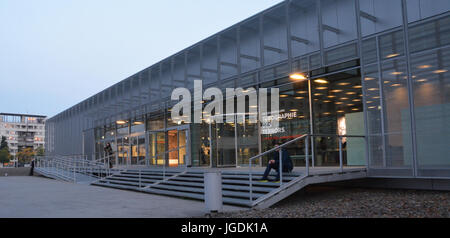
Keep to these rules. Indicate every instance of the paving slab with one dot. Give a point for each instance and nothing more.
(37, 197)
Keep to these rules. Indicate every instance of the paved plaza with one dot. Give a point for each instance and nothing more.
(36, 197)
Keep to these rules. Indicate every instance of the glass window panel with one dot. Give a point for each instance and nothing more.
(391, 45)
(423, 36)
(314, 61)
(337, 104)
(342, 16)
(431, 76)
(421, 9)
(397, 121)
(275, 35)
(304, 25)
(293, 122)
(369, 51)
(341, 54)
(387, 12)
(373, 97)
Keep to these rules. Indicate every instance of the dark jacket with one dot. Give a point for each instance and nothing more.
(287, 162)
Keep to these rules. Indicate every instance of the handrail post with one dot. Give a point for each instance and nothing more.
(341, 162)
(251, 181)
(307, 154)
(140, 178)
(74, 175)
(280, 167)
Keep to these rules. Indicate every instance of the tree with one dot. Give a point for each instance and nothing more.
(40, 151)
(25, 156)
(4, 156)
(4, 144)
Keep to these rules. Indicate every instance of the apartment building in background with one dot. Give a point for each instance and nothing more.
(22, 131)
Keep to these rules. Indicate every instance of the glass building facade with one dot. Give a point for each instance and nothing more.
(378, 69)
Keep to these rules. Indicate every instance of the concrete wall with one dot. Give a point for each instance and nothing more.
(14, 171)
(398, 183)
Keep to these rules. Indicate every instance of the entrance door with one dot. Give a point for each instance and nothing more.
(137, 150)
(156, 148)
(223, 144)
(172, 148)
(169, 147)
(123, 148)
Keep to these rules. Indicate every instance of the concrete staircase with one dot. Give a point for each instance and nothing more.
(189, 184)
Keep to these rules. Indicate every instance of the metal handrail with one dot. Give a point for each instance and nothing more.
(306, 137)
(71, 165)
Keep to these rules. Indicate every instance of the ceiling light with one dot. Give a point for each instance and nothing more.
(336, 91)
(298, 76)
(121, 122)
(321, 81)
(426, 66)
(440, 71)
(397, 73)
(392, 55)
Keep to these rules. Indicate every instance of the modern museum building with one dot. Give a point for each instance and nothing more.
(368, 76)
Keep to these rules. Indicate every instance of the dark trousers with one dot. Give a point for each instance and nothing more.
(275, 166)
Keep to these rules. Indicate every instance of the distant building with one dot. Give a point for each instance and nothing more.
(22, 131)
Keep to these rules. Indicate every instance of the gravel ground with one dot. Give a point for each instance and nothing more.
(323, 202)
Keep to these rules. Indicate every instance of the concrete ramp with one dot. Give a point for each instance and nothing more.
(65, 175)
(301, 182)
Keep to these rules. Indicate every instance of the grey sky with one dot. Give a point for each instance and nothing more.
(54, 54)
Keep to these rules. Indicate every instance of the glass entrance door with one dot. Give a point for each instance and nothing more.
(123, 148)
(169, 147)
(172, 148)
(137, 150)
(223, 144)
(156, 148)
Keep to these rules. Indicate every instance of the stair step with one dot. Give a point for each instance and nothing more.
(142, 177)
(133, 180)
(109, 185)
(236, 201)
(125, 183)
(147, 174)
(174, 193)
(224, 186)
(225, 193)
